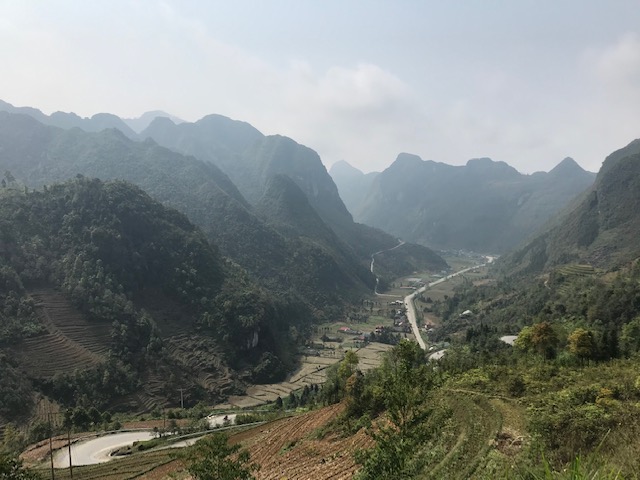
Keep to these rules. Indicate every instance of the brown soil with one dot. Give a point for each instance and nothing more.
(509, 442)
(286, 448)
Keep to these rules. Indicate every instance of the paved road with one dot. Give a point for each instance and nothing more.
(411, 309)
(221, 420)
(98, 450)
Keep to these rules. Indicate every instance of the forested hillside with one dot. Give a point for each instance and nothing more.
(36, 154)
(601, 229)
(251, 160)
(146, 277)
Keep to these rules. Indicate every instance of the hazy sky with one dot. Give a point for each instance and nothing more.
(526, 82)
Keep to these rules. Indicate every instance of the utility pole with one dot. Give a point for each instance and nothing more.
(53, 475)
(69, 445)
(181, 398)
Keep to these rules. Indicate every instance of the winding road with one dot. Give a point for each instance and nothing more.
(411, 308)
(98, 450)
(373, 261)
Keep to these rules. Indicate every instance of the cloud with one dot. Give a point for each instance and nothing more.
(358, 113)
(440, 103)
(618, 65)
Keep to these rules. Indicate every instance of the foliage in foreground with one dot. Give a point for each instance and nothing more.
(212, 458)
(12, 469)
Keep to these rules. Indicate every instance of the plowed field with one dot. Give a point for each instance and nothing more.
(287, 448)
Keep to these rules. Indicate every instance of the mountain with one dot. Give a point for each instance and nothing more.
(483, 206)
(143, 121)
(212, 138)
(285, 206)
(251, 160)
(96, 123)
(106, 292)
(600, 229)
(352, 184)
(36, 154)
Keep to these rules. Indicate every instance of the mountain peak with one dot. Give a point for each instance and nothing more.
(341, 167)
(144, 120)
(486, 165)
(568, 166)
(404, 160)
(161, 121)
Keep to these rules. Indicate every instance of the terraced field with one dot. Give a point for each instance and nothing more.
(71, 340)
(312, 371)
(477, 424)
(573, 271)
(286, 448)
(134, 466)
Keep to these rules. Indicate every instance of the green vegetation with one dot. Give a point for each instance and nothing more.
(601, 229)
(561, 403)
(113, 251)
(12, 469)
(212, 458)
(297, 268)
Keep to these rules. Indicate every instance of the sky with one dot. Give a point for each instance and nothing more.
(525, 82)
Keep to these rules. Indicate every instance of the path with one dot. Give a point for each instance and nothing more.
(373, 261)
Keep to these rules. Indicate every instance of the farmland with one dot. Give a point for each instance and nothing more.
(70, 340)
(313, 370)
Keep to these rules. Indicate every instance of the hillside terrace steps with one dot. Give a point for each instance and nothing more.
(70, 342)
(57, 312)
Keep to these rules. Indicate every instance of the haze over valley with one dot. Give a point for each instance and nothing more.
(397, 241)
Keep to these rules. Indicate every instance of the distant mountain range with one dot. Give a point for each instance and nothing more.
(483, 206)
(129, 126)
(251, 160)
(37, 154)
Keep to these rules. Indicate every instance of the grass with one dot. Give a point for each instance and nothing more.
(474, 424)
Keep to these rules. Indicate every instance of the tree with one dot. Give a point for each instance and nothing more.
(209, 459)
(95, 416)
(540, 338)
(630, 337)
(406, 382)
(348, 365)
(334, 388)
(581, 344)
(10, 178)
(11, 469)
(292, 401)
(524, 341)
(81, 418)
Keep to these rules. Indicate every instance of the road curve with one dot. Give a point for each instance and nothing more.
(411, 308)
(98, 450)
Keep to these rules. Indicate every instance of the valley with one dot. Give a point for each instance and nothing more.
(204, 268)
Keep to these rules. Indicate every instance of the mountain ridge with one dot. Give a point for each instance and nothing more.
(483, 206)
(599, 228)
